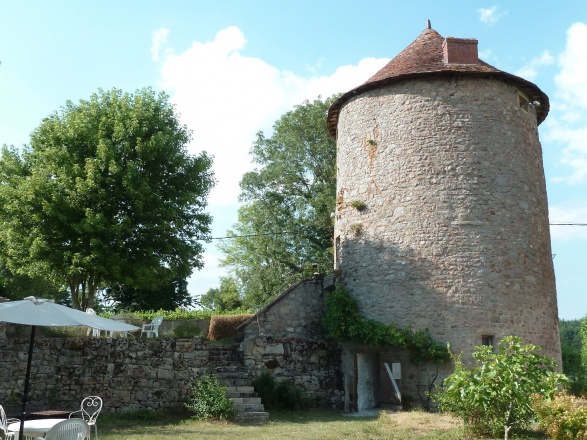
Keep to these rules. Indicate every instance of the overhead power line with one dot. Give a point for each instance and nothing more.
(290, 232)
(567, 224)
(251, 235)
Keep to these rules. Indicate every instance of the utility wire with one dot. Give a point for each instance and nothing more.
(567, 224)
(290, 232)
(251, 235)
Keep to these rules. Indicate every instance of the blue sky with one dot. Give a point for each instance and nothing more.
(233, 67)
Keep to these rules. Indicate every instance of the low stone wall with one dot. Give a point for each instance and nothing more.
(314, 365)
(129, 374)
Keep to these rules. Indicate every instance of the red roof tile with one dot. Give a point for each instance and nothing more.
(423, 58)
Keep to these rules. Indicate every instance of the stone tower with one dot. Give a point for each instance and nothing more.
(441, 219)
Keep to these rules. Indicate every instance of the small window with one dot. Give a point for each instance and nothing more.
(523, 103)
(487, 340)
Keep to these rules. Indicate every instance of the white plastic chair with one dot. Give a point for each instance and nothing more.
(91, 407)
(71, 429)
(153, 327)
(95, 331)
(4, 422)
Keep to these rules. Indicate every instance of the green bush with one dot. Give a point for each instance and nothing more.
(186, 330)
(210, 400)
(496, 395)
(563, 416)
(282, 395)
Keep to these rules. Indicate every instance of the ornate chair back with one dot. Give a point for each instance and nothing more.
(90, 409)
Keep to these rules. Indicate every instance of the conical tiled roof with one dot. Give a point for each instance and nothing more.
(424, 58)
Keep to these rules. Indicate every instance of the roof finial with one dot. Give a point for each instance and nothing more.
(428, 24)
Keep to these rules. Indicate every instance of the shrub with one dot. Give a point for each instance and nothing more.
(496, 395)
(282, 395)
(224, 326)
(210, 400)
(186, 330)
(563, 416)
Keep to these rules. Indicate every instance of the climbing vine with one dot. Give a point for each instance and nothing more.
(344, 322)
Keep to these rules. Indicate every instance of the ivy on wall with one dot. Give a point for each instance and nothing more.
(343, 322)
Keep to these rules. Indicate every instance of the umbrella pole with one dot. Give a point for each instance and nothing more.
(25, 396)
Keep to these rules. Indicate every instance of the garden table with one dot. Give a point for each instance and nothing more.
(35, 428)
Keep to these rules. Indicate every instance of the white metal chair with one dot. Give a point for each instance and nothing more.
(4, 422)
(71, 429)
(153, 327)
(90, 408)
(95, 331)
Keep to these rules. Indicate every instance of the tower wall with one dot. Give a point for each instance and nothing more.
(454, 233)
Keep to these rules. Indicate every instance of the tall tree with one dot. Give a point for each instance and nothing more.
(226, 297)
(170, 296)
(16, 287)
(105, 194)
(284, 224)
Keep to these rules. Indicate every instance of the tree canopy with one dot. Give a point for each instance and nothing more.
(169, 296)
(105, 194)
(284, 224)
(226, 297)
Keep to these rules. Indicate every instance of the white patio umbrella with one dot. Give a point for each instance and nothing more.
(44, 312)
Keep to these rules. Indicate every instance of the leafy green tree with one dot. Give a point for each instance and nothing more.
(225, 297)
(16, 287)
(170, 296)
(105, 194)
(497, 394)
(571, 345)
(284, 225)
(583, 336)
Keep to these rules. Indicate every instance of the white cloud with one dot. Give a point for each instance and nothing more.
(530, 70)
(488, 56)
(226, 98)
(572, 79)
(565, 214)
(567, 124)
(490, 15)
(159, 39)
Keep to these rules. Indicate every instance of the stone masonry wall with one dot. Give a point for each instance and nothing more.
(454, 236)
(296, 313)
(129, 374)
(286, 339)
(314, 365)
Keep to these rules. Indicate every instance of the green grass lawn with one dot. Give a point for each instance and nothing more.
(316, 424)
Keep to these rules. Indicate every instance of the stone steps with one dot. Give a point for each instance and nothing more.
(231, 373)
(241, 391)
(252, 417)
(246, 402)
